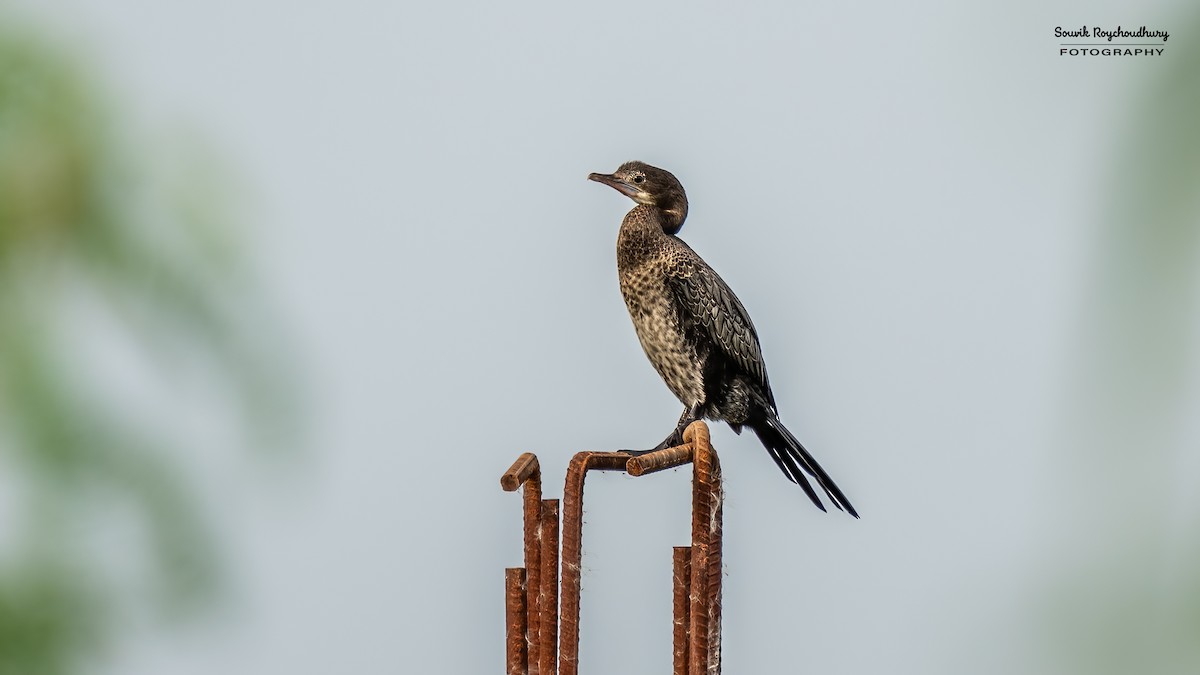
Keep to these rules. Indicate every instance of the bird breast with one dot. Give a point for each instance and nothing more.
(659, 329)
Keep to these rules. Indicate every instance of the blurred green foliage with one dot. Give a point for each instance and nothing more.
(1128, 596)
(91, 226)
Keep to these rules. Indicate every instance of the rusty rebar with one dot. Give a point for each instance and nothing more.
(705, 610)
(659, 461)
(697, 569)
(572, 551)
(547, 634)
(526, 472)
(525, 468)
(681, 560)
(516, 647)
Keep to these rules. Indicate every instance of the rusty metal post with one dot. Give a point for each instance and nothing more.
(697, 569)
(705, 610)
(548, 592)
(516, 648)
(681, 643)
(526, 472)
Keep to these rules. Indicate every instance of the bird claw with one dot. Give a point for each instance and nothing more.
(669, 442)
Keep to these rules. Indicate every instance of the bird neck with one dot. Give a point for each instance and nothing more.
(645, 222)
(665, 217)
(641, 236)
(673, 210)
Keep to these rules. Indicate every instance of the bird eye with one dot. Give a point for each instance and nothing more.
(639, 178)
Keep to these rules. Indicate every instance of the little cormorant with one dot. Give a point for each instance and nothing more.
(693, 328)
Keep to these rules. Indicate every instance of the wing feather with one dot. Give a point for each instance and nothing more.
(708, 301)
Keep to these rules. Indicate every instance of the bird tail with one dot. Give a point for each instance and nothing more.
(791, 457)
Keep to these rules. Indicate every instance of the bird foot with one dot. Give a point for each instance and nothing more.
(668, 442)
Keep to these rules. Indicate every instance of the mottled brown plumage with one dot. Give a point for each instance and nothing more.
(693, 328)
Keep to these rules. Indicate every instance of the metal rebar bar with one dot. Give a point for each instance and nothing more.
(705, 606)
(521, 470)
(681, 560)
(659, 460)
(527, 472)
(697, 569)
(572, 551)
(548, 592)
(516, 648)
(533, 564)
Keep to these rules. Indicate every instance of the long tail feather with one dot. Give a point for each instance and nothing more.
(790, 456)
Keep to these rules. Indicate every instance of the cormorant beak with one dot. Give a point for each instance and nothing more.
(614, 183)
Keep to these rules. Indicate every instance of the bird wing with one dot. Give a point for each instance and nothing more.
(708, 301)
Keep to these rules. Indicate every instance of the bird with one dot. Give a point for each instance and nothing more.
(695, 331)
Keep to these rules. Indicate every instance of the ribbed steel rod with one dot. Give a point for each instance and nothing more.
(516, 646)
(552, 612)
(681, 560)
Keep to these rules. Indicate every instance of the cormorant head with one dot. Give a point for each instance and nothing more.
(651, 186)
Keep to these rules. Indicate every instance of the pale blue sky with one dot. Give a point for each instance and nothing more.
(904, 197)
